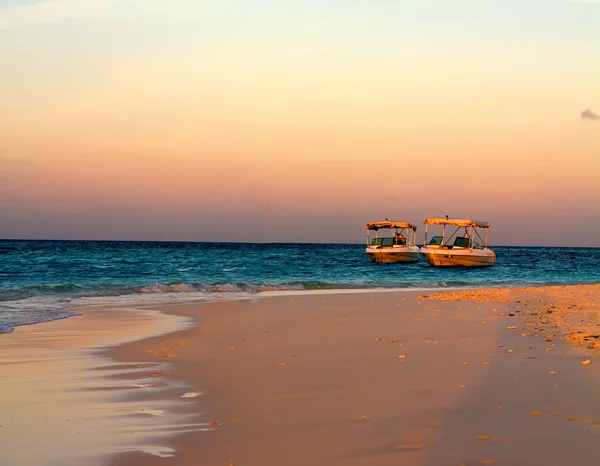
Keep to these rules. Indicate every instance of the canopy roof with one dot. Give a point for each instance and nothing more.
(388, 225)
(456, 221)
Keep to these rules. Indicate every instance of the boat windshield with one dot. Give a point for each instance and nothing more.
(436, 240)
(465, 242)
(388, 242)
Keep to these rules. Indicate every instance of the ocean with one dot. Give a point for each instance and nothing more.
(40, 279)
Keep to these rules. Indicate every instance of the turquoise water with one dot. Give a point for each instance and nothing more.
(38, 279)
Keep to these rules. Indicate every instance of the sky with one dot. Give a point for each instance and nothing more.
(288, 121)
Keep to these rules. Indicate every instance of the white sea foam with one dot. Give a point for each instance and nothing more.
(218, 288)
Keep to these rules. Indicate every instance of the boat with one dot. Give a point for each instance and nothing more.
(464, 251)
(399, 247)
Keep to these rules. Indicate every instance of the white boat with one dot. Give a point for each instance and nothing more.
(464, 251)
(400, 247)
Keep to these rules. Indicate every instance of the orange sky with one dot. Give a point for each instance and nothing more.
(299, 125)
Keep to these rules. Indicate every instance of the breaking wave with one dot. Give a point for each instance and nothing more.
(218, 288)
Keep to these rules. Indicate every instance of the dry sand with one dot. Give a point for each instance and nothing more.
(383, 378)
(570, 313)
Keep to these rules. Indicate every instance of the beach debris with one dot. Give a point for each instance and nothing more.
(462, 386)
(511, 327)
(280, 365)
(511, 351)
(483, 437)
(553, 311)
(552, 373)
(464, 363)
(215, 423)
(487, 461)
(377, 339)
(363, 418)
(534, 413)
(191, 395)
(586, 362)
(485, 363)
(231, 348)
(161, 452)
(484, 322)
(402, 356)
(169, 355)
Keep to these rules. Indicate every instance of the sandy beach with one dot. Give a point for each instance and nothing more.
(390, 378)
(384, 378)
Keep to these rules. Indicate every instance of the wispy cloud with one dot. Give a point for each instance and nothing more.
(16, 15)
(587, 114)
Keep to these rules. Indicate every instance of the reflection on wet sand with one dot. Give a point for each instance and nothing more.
(62, 403)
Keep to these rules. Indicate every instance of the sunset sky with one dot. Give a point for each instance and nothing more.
(277, 120)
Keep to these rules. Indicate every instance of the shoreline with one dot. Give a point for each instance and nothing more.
(226, 383)
(159, 298)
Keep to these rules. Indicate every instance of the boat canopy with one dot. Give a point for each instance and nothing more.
(387, 225)
(456, 221)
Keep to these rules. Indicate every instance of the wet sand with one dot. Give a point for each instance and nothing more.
(390, 378)
(63, 403)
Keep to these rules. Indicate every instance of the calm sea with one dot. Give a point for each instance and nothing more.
(39, 279)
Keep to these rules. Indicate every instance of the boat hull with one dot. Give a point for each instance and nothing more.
(389, 255)
(459, 258)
